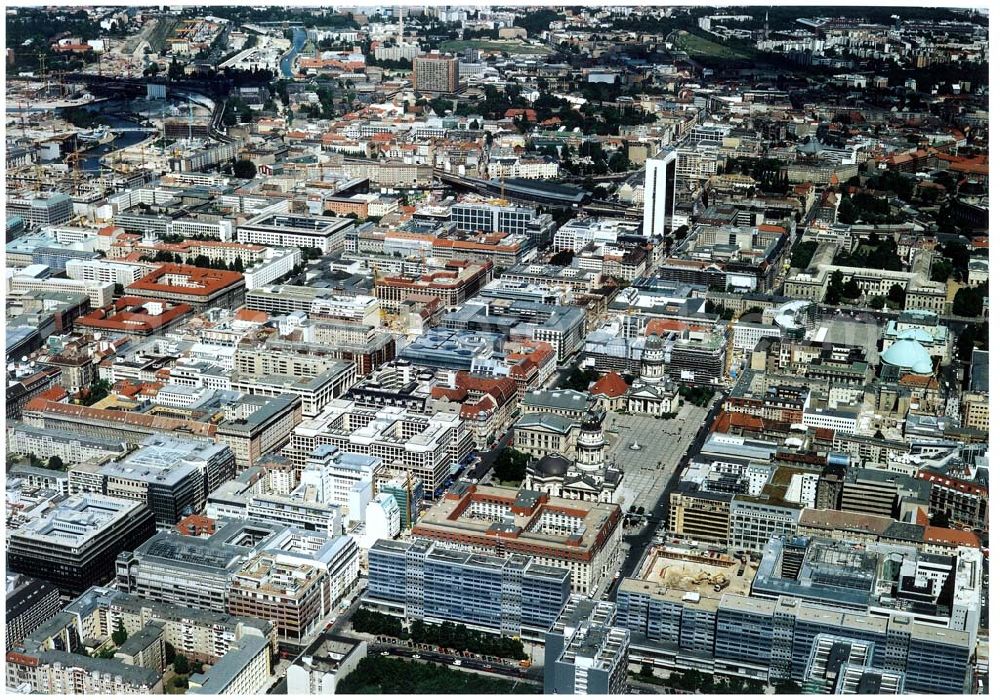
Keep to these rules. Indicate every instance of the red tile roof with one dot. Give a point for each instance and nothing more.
(200, 280)
(949, 536)
(196, 525)
(611, 385)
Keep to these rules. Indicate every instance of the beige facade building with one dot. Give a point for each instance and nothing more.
(976, 411)
(292, 593)
(435, 73)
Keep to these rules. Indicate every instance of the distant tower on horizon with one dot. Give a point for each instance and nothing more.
(767, 28)
(400, 25)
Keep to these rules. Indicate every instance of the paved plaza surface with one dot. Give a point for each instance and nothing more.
(661, 443)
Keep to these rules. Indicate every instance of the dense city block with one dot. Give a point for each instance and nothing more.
(497, 350)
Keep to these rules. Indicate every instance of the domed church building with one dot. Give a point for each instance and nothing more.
(586, 478)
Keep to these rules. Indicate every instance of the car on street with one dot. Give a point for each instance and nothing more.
(456, 662)
(384, 653)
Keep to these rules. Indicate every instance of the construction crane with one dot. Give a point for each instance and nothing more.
(409, 492)
(42, 58)
(74, 159)
(24, 130)
(730, 340)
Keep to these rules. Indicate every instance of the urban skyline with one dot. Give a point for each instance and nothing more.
(497, 349)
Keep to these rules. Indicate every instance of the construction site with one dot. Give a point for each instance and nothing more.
(691, 575)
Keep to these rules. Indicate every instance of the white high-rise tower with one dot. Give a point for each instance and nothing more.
(658, 198)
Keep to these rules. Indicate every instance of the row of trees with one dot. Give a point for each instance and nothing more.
(448, 635)
(969, 301)
(97, 391)
(371, 622)
(866, 208)
(770, 174)
(82, 118)
(391, 63)
(581, 379)
(592, 118)
(973, 336)
(802, 254)
(386, 675)
(600, 162)
(199, 261)
(459, 637)
(55, 462)
(837, 290)
(237, 112)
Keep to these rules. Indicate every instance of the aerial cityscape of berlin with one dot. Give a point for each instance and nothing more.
(497, 349)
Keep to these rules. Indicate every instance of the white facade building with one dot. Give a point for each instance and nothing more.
(658, 197)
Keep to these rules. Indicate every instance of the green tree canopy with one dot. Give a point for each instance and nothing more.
(835, 288)
(120, 635)
(181, 664)
(511, 465)
(969, 301)
(244, 169)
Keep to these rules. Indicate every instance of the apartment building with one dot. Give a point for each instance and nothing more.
(293, 594)
(99, 293)
(68, 446)
(173, 475)
(258, 425)
(105, 271)
(453, 285)
(30, 603)
(507, 595)
(285, 230)
(435, 73)
(421, 445)
(200, 288)
(317, 302)
(585, 652)
(582, 537)
(65, 673)
(41, 208)
(314, 391)
(725, 616)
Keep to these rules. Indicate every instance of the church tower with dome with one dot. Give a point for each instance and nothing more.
(652, 393)
(583, 474)
(651, 363)
(591, 446)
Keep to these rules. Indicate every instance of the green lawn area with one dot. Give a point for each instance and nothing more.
(695, 46)
(487, 45)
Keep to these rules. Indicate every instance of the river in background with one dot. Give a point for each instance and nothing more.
(109, 110)
(298, 41)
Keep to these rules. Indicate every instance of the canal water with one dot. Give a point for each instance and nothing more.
(298, 41)
(108, 109)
